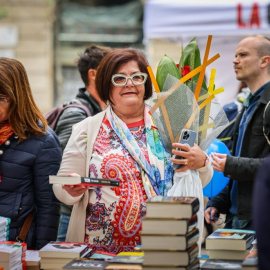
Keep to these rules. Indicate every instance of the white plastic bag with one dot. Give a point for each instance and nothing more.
(188, 183)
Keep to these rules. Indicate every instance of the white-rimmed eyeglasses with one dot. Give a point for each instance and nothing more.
(121, 79)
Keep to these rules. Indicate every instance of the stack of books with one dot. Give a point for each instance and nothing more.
(55, 255)
(251, 261)
(12, 255)
(169, 234)
(229, 244)
(4, 228)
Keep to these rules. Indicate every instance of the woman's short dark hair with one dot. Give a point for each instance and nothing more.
(111, 63)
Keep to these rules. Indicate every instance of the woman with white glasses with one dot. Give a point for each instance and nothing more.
(120, 143)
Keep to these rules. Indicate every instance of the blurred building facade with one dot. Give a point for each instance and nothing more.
(48, 35)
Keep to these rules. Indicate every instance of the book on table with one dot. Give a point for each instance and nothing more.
(170, 258)
(230, 239)
(172, 207)
(56, 249)
(168, 226)
(236, 255)
(78, 180)
(192, 266)
(82, 263)
(127, 260)
(251, 260)
(169, 242)
(221, 265)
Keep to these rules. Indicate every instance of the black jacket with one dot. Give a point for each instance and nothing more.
(244, 168)
(24, 186)
(72, 116)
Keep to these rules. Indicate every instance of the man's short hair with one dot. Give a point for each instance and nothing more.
(90, 59)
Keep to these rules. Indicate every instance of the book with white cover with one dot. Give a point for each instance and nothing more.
(63, 250)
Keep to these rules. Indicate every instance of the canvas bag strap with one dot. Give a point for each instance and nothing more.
(25, 228)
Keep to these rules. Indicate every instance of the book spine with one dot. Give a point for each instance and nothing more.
(192, 238)
(195, 205)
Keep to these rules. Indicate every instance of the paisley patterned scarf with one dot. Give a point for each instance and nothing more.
(156, 175)
(5, 132)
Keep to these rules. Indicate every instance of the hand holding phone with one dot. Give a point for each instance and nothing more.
(187, 137)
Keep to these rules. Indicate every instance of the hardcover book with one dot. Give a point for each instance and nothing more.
(169, 242)
(170, 258)
(128, 258)
(77, 180)
(168, 226)
(172, 207)
(230, 239)
(193, 266)
(63, 250)
(236, 255)
(221, 265)
(80, 263)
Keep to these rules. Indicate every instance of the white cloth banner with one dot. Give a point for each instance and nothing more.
(169, 19)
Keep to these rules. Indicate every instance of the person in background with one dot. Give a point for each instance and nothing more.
(29, 153)
(120, 143)
(250, 142)
(261, 213)
(232, 110)
(87, 65)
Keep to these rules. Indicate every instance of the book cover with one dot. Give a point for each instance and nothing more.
(171, 258)
(77, 180)
(63, 249)
(236, 255)
(230, 239)
(221, 265)
(102, 255)
(172, 207)
(168, 226)
(85, 264)
(169, 242)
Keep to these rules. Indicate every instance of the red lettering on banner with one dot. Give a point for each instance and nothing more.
(241, 24)
(255, 20)
(254, 17)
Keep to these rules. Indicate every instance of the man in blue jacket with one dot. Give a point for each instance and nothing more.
(250, 138)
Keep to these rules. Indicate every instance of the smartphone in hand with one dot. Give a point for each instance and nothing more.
(187, 137)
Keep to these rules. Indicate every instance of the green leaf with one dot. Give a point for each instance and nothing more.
(191, 57)
(166, 66)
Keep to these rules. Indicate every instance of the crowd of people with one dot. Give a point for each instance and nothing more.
(120, 140)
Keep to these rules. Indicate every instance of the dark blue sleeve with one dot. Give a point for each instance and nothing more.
(48, 207)
(261, 213)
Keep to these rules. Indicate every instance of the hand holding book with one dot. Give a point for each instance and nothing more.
(75, 190)
(76, 185)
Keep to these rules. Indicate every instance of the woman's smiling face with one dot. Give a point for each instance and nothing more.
(130, 95)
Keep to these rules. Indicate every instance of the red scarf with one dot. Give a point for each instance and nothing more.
(5, 132)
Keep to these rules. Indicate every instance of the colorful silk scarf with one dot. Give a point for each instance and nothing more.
(5, 132)
(156, 176)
